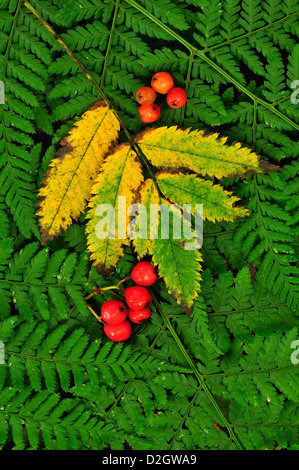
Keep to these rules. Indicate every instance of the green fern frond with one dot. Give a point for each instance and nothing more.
(38, 283)
(42, 419)
(59, 358)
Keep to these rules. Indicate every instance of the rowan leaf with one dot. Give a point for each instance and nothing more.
(71, 176)
(121, 177)
(148, 195)
(204, 154)
(189, 189)
(179, 268)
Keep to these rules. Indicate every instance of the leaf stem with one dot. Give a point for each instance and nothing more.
(187, 84)
(116, 8)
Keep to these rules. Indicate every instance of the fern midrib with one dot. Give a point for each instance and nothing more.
(187, 86)
(112, 30)
(245, 35)
(241, 373)
(247, 309)
(149, 365)
(262, 424)
(47, 421)
(41, 284)
(9, 42)
(199, 376)
(209, 61)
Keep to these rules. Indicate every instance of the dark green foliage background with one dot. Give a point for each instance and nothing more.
(221, 378)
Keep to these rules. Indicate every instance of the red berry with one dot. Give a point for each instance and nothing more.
(162, 82)
(144, 274)
(138, 297)
(145, 95)
(139, 316)
(113, 312)
(149, 113)
(176, 98)
(119, 332)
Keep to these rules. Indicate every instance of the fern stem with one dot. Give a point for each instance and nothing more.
(199, 377)
(254, 124)
(9, 41)
(247, 35)
(104, 70)
(210, 62)
(241, 373)
(187, 84)
(249, 309)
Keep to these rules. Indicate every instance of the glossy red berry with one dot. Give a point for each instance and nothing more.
(162, 82)
(113, 312)
(145, 95)
(139, 316)
(176, 98)
(144, 274)
(149, 113)
(138, 297)
(119, 332)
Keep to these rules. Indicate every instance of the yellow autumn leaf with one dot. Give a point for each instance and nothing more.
(69, 180)
(204, 154)
(115, 190)
(148, 195)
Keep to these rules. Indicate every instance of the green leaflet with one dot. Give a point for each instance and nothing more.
(187, 189)
(179, 267)
(192, 150)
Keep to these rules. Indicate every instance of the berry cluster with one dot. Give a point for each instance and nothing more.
(162, 82)
(114, 313)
